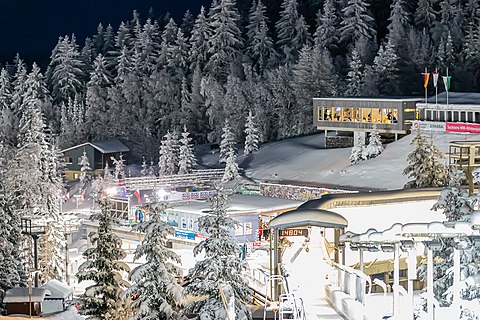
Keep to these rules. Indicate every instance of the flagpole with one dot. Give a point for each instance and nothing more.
(425, 84)
(436, 93)
(447, 91)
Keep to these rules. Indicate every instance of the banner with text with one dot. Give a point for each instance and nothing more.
(429, 126)
(459, 127)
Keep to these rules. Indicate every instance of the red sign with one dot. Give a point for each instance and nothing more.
(201, 236)
(459, 127)
(256, 244)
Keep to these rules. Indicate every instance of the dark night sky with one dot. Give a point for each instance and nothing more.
(32, 27)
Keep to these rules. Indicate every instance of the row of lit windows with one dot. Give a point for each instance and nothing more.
(357, 114)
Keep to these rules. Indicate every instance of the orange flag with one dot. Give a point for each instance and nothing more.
(426, 77)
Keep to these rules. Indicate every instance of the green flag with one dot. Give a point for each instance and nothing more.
(446, 82)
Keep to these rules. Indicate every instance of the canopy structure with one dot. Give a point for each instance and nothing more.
(308, 217)
(21, 295)
(57, 289)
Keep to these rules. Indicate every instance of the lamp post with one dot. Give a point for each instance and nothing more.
(35, 231)
(68, 229)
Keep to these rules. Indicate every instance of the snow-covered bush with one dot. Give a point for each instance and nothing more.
(358, 151)
(374, 147)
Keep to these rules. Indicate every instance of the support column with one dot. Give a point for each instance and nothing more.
(412, 276)
(35, 259)
(430, 295)
(396, 281)
(456, 282)
(360, 251)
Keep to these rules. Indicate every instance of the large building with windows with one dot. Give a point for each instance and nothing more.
(358, 115)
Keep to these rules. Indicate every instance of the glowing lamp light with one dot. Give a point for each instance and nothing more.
(162, 194)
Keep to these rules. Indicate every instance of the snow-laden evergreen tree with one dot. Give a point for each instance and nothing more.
(228, 142)
(199, 45)
(386, 71)
(425, 14)
(292, 32)
(225, 42)
(357, 22)
(358, 151)
(259, 43)
(424, 167)
(313, 76)
(8, 119)
(397, 29)
(118, 167)
(106, 298)
(96, 100)
(231, 167)
(327, 34)
(252, 134)
(168, 160)
(151, 169)
(65, 72)
(85, 171)
(221, 266)
(154, 282)
(186, 156)
(374, 147)
(12, 272)
(354, 75)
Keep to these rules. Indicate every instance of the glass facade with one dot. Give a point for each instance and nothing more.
(354, 114)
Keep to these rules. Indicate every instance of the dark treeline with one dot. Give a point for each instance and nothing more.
(138, 80)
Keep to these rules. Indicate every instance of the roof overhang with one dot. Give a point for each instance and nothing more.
(308, 217)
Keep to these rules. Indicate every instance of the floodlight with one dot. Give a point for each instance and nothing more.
(433, 244)
(407, 244)
(364, 247)
(387, 247)
(353, 247)
(373, 248)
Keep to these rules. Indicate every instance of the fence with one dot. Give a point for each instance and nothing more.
(198, 177)
(294, 192)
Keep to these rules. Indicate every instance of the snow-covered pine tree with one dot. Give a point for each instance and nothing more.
(327, 34)
(106, 298)
(385, 70)
(424, 167)
(8, 120)
(85, 171)
(199, 45)
(119, 167)
(186, 156)
(252, 134)
(231, 167)
(151, 169)
(354, 75)
(12, 272)
(292, 32)
(226, 40)
(154, 282)
(397, 29)
(357, 22)
(227, 144)
(259, 43)
(168, 159)
(358, 151)
(374, 147)
(221, 266)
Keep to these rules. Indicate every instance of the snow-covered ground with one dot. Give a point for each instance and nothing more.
(302, 160)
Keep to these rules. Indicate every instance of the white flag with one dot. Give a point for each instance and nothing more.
(435, 78)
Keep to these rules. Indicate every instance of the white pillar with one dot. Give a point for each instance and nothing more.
(412, 276)
(360, 251)
(430, 295)
(456, 281)
(396, 281)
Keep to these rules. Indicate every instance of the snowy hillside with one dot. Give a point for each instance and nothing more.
(304, 160)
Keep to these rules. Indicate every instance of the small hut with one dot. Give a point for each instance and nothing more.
(25, 300)
(60, 293)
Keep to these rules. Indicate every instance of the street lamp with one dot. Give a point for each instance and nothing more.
(68, 228)
(35, 231)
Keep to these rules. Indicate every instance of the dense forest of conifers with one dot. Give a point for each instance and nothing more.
(151, 75)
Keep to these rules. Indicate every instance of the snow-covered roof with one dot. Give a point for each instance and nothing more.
(309, 217)
(242, 204)
(472, 98)
(58, 290)
(373, 99)
(19, 295)
(104, 146)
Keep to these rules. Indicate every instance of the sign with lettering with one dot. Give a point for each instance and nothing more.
(293, 232)
(429, 126)
(459, 127)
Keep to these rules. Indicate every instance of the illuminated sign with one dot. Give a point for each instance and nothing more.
(293, 232)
